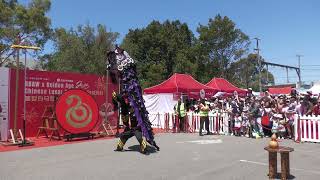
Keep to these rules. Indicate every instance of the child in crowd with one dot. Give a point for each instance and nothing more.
(275, 124)
(278, 125)
(237, 124)
(245, 122)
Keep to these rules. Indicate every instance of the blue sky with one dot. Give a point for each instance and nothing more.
(285, 27)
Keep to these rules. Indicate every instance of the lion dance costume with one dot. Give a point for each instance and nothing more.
(122, 68)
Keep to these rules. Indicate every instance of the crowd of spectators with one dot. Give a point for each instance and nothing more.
(261, 116)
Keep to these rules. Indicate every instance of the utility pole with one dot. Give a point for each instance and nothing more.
(267, 75)
(299, 71)
(15, 132)
(259, 63)
(287, 76)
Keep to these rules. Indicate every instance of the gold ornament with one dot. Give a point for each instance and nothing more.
(75, 120)
(273, 143)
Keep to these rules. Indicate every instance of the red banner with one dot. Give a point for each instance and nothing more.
(43, 87)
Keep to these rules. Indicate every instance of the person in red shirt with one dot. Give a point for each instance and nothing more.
(316, 109)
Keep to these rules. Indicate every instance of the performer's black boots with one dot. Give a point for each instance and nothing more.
(153, 143)
(119, 145)
(143, 147)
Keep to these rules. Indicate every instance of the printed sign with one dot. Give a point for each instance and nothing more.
(4, 96)
(43, 87)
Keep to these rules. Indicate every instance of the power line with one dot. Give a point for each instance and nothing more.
(316, 69)
(292, 77)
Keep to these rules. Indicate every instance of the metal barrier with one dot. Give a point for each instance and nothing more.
(307, 128)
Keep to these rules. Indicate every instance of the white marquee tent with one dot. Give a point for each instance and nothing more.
(315, 89)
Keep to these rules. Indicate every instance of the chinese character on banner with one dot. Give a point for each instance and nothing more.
(46, 98)
(52, 98)
(40, 98)
(101, 84)
(28, 98)
(33, 98)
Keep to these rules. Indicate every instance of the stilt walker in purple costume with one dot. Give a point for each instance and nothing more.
(122, 68)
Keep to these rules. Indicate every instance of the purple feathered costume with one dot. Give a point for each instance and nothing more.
(123, 69)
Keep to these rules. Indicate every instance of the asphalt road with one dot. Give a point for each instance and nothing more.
(181, 157)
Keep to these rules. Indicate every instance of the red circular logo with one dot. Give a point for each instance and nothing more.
(77, 112)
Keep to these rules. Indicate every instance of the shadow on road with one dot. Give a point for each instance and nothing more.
(278, 176)
(150, 149)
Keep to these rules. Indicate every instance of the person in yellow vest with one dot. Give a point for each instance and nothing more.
(204, 116)
(180, 111)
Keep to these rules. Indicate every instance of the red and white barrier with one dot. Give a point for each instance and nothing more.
(161, 120)
(218, 122)
(307, 128)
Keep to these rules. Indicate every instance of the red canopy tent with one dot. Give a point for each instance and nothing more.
(280, 90)
(180, 83)
(225, 86)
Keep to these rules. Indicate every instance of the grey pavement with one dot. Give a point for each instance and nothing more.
(181, 157)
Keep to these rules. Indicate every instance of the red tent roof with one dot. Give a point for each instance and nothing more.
(282, 90)
(179, 83)
(224, 86)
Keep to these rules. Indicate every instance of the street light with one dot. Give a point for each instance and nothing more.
(25, 48)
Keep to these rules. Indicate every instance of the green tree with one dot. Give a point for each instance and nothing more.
(82, 50)
(246, 73)
(11, 64)
(220, 44)
(186, 62)
(160, 50)
(19, 23)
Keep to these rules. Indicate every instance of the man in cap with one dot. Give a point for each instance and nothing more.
(306, 105)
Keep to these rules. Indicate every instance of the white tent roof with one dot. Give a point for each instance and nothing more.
(315, 89)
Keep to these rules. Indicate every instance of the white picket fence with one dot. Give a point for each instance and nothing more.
(218, 122)
(307, 128)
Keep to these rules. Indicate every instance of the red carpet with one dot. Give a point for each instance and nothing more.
(44, 142)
